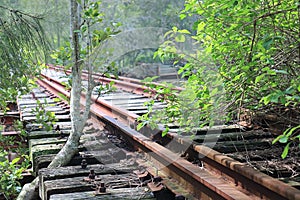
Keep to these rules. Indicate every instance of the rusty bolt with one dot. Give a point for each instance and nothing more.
(83, 163)
(92, 174)
(102, 188)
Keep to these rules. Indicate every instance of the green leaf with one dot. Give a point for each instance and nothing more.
(141, 125)
(271, 72)
(259, 78)
(168, 33)
(56, 100)
(165, 131)
(285, 151)
(267, 44)
(200, 27)
(291, 131)
(184, 31)
(182, 16)
(14, 161)
(83, 28)
(180, 38)
(284, 139)
(277, 139)
(175, 29)
(238, 76)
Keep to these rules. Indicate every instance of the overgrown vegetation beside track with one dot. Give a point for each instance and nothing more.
(245, 66)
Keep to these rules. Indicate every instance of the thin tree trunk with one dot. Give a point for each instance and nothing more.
(71, 146)
(77, 120)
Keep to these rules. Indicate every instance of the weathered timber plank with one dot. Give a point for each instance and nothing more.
(235, 136)
(112, 155)
(234, 146)
(125, 96)
(64, 125)
(46, 134)
(54, 108)
(37, 95)
(71, 171)
(211, 130)
(29, 107)
(139, 112)
(142, 107)
(105, 156)
(58, 111)
(137, 103)
(127, 101)
(64, 185)
(41, 141)
(97, 145)
(95, 136)
(44, 160)
(24, 102)
(38, 150)
(117, 194)
(76, 184)
(58, 117)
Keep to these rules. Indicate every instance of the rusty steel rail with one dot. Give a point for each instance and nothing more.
(239, 173)
(199, 182)
(107, 108)
(195, 179)
(127, 84)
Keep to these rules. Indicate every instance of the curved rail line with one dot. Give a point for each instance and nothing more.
(200, 182)
(127, 84)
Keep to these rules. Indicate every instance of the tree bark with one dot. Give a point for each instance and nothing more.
(70, 148)
(77, 121)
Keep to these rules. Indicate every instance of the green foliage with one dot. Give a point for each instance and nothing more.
(244, 55)
(63, 97)
(43, 117)
(11, 173)
(93, 18)
(289, 135)
(252, 51)
(22, 47)
(62, 55)
(105, 88)
(93, 33)
(11, 169)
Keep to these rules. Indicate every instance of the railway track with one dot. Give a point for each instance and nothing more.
(240, 174)
(212, 175)
(252, 147)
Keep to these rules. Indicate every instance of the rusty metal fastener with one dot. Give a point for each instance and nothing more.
(102, 188)
(83, 164)
(59, 132)
(155, 187)
(92, 174)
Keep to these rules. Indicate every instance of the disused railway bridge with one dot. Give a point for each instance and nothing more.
(121, 174)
